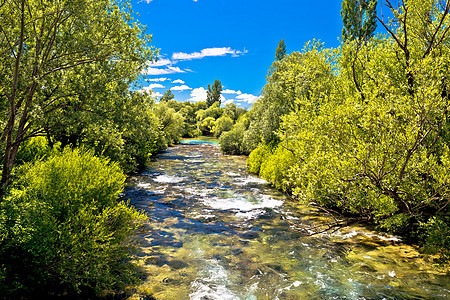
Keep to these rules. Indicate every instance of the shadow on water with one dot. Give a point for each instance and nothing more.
(216, 232)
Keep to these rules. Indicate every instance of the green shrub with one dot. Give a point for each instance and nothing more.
(437, 237)
(223, 124)
(63, 231)
(276, 166)
(231, 141)
(257, 157)
(35, 148)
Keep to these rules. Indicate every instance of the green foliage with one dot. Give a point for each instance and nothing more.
(168, 95)
(257, 157)
(60, 61)
(363, 129)
(297, 76)
(124, 128)
(275, 167)
(171, 125)
(207, 125)
(63, 231)
(281, 51)
(214, 111)
(233, 111)
(231, 141)
(437, 237)
(34, 149)
(359, 19)
(222, 124)
(214, 93)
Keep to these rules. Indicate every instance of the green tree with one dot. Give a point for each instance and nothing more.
(207, 125)
(171, 125)
(167, 96)
(358, 17)
(281, 51)
(42, 43)
(223, 124)
(231, 141)
(214, 93)
(382, 158)
(297, 75)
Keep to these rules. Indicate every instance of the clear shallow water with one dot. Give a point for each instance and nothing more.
(216, 232)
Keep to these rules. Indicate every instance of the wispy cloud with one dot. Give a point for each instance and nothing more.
(157, 79)
(198, 94)
(181, 88)
(228, 91)
(168, 64)
(161, 62)
(207, 53)
(178, 81)
(165, 71)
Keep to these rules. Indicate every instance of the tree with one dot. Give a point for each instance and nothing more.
(383, 158)
(41, 43)
(281, 51)
(167, 96)
(223, 124)
(214, 93)
(358, 17)
(207, 125)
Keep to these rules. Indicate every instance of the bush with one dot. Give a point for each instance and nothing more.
(35, 148)
(257, 157)
(231, 141)
(62, 230)
(276, 166)
(223, 124)
(437, 237)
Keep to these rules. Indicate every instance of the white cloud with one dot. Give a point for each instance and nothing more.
(207, 52)
(181, 88)
(249, 98)
(228, 91)
(168, 70)
(157, 79)
(161, 62)
(198, 94)
(178, 81)
(156, 86)
(228, 101)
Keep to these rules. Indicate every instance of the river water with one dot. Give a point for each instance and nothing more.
(217, 232)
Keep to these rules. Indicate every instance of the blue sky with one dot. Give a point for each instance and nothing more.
(233, 41)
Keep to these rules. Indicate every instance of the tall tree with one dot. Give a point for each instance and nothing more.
(214, 93)
(168, 95)
(358, 17)
(281, 50)
(41, 42)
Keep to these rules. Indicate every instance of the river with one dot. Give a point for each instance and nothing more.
(217, 232)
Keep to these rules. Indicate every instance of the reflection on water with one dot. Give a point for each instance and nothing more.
(216, 232)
